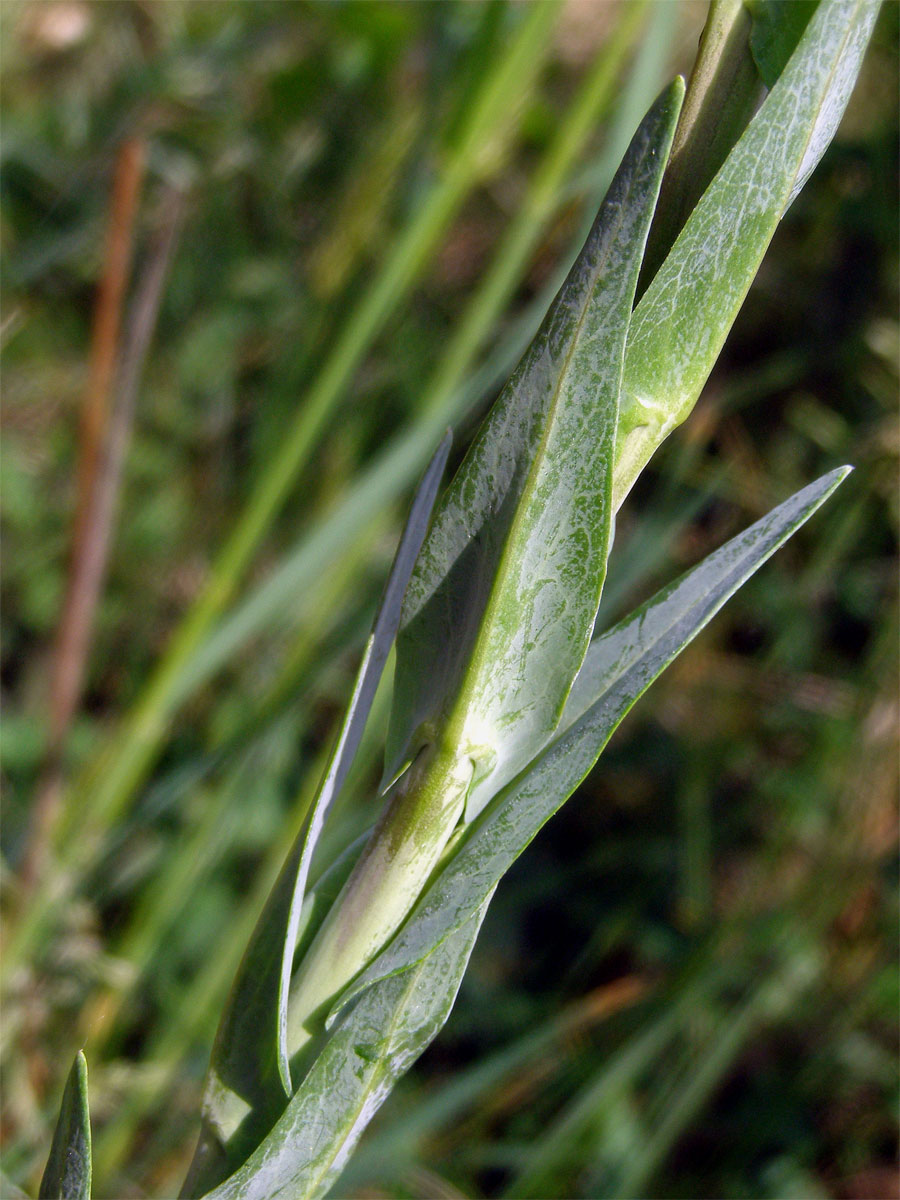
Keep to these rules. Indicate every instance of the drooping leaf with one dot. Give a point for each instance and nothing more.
(680, 324)
(618, 668)
(68, 1172)
(500, 607)
(249, 1079)
(376, 1040)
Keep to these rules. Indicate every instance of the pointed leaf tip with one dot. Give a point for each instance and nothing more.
(68, 1172)
(683, 318)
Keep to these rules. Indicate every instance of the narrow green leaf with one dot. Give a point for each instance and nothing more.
(618, 668)
(249, 1079)
(680, 325)
(111, 779)
(503, 597)
(500, 607)
(376, 1040)
(68, 1172)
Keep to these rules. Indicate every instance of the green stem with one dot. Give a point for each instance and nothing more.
(423, 809)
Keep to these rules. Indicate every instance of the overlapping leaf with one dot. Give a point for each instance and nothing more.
(618, 668)
(500, 608)
(777, 27)
(680, 324)
(377, 1039)
(249, 1080)
(501, 603)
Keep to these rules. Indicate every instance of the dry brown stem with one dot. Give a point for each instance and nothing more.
(106, 430)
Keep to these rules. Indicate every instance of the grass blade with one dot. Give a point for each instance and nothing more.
(777, 991)
(493, 112)
(445, 396)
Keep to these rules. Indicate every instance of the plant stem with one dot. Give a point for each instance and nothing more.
(98, 478)
(419, 817)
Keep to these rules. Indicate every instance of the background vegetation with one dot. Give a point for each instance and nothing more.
(346, 219)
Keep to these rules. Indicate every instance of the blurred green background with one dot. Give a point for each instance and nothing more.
(347, 218)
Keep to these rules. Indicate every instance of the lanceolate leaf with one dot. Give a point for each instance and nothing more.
(499, 611)
(618, 668)
(68, 1172)
(249, 1079)
(494, 628)
(377, 1039)
(680, 324)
